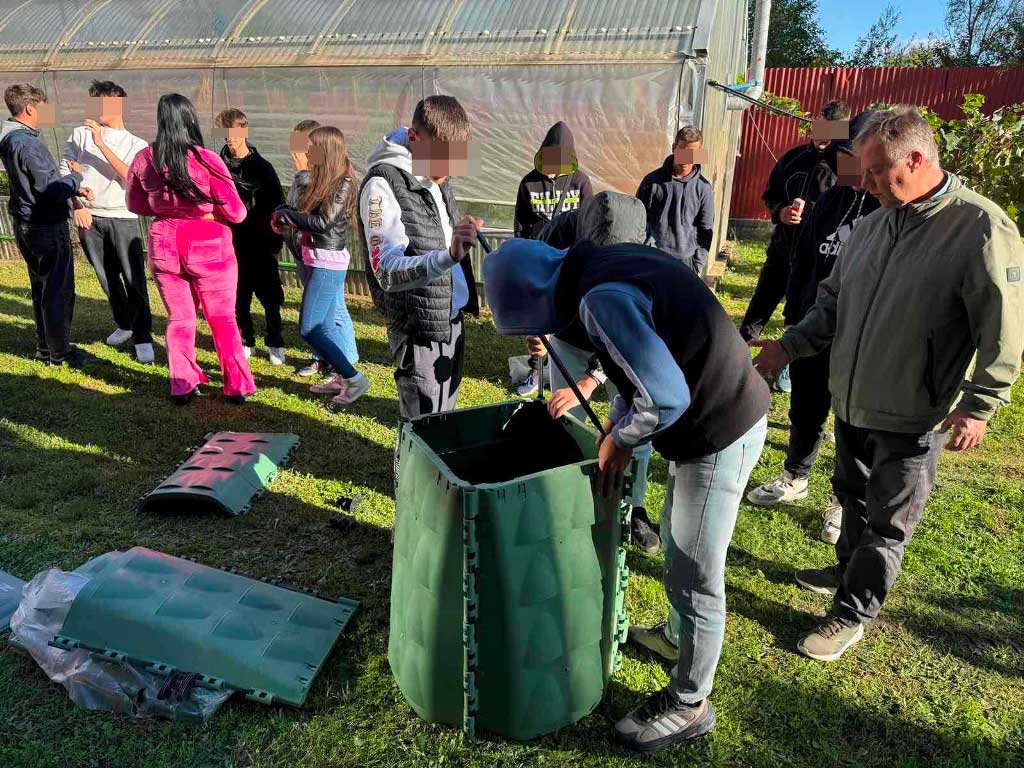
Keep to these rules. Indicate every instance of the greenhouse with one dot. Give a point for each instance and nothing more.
(625, 75)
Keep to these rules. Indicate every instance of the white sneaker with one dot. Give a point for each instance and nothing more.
(355, 388)
(655, 640)
(832, 517)
(333, 386)
(785, 487)
(118, 337)
(276, 355)
(249, 351)
(144, 353)
(529, 387)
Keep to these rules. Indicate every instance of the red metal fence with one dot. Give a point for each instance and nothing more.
(940, 89)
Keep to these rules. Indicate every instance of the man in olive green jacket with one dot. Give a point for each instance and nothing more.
(927, 283)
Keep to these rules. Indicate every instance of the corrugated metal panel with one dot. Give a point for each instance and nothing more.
(194, 33)
(940, 89)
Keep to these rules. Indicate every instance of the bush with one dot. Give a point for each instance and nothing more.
(986, 151)
(5, 185)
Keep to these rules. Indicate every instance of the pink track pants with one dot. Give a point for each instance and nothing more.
(193, 264)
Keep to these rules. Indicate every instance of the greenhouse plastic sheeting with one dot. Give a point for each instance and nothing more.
(509, 571)
(227, 472)
(10, 596)
(162, 613)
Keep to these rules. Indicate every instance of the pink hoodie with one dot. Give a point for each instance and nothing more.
(147, 195)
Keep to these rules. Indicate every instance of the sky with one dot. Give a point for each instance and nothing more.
(846, 20)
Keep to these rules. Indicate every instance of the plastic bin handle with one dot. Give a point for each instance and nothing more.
(557, 360)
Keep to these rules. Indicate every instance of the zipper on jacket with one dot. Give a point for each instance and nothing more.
(867, 313)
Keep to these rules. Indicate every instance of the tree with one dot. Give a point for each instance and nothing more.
(979, 31)
(795, 38)
(879, 46)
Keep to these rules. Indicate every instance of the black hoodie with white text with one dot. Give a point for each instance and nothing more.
(538, 197)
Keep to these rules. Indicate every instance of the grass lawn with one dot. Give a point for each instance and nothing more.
(938, 681)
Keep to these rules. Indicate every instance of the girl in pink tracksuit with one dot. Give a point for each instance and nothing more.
(190, 193)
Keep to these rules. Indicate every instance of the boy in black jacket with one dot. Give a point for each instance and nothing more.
(680, 203)
(556, 183)
(822, 239)
(799, 178)
(256, 243)
(39, 206)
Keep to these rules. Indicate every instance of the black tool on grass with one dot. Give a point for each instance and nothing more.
(557, 360)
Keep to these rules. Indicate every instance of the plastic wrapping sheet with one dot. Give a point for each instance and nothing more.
(91, 682)
(623, 117)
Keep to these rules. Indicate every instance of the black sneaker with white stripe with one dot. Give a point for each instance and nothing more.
(664, 720)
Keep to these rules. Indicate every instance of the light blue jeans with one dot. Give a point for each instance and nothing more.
(342, 319)
(576, 361)
(324, 291)
(701, 503)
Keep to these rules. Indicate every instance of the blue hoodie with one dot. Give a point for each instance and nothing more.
(522, 277)
(39, 194)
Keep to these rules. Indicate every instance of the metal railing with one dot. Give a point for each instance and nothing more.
(356, 283)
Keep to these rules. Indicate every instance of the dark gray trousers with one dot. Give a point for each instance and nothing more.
(883, 480)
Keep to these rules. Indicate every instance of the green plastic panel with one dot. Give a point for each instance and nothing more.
(225, 474)
(10, 597)
(506, 602)
(164, 613)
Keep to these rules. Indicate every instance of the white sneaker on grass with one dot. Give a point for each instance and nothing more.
(332, 386)
(118, 337)
(529, 387)
(276, 355)
(832, 517)
(144, 353)
(786, 487)
(355, 388)
(249, 351)
(654, 639)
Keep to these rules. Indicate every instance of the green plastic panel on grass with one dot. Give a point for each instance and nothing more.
(163, 613)
(10, 597)
(544, 599)
(226, 474)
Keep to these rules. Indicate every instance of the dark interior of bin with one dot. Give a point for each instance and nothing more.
(505, 441)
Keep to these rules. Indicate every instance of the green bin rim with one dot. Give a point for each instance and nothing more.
(457, 481)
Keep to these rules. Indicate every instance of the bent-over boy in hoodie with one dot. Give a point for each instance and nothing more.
(680, 203)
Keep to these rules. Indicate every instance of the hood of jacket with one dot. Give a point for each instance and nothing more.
(558, 135)
(612, 217)
(392, 149)
(521, 278)
(12, 126)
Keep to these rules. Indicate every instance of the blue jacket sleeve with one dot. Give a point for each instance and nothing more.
(48, 186)
(618, 320)
(705, 226)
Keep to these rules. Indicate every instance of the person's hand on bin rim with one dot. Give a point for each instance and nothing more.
(612, 461)
(564, 400)
(464, 237)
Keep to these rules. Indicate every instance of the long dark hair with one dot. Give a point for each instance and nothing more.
(177, 135)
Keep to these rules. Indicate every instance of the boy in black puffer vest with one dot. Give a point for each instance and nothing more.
(256, 243)
(417, 243)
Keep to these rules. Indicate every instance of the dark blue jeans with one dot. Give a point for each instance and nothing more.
(46, 249)
(325, 289)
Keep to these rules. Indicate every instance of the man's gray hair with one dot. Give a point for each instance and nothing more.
(901, 130)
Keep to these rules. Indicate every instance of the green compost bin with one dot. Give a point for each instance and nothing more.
(509, 571)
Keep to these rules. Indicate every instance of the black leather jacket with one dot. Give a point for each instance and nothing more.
(325, 228)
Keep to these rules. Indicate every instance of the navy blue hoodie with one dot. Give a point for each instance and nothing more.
(680, 214)
(39, 194)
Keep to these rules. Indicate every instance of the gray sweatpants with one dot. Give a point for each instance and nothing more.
(883, 480)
